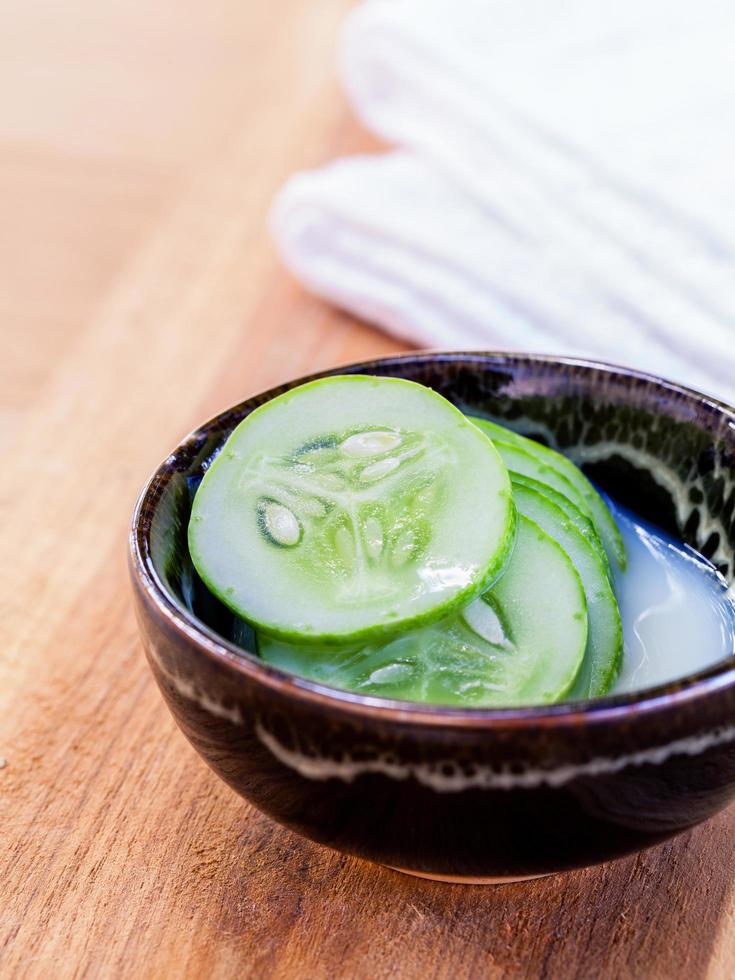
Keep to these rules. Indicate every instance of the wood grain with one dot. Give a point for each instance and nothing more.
(140, 146)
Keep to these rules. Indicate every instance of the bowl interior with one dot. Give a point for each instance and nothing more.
(663, 451)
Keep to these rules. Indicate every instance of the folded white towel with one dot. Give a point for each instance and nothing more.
(569, 184)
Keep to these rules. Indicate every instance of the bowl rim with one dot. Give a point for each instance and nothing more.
(223, 652)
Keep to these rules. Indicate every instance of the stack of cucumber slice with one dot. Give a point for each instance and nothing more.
(378, 540)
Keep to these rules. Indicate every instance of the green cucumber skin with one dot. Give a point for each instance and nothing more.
(481, 584)
(601, 516)
(604, 652)
(583, 523)
(540, 686)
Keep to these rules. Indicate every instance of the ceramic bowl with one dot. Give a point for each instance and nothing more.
(471, 794)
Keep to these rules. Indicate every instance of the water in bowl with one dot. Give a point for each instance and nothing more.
(678, 615)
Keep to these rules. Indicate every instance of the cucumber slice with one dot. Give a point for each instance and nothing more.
(605, 637)
(520, 461)
(522, 642)
(352, 507)
(595, 505)
(582, 523)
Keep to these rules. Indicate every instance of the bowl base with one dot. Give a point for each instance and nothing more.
(467, 879)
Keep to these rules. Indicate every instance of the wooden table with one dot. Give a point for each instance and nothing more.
(140, 145)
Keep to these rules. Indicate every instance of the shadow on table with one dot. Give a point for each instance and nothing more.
(656, 914)
(653, 915)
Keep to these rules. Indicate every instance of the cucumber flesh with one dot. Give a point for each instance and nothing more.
(523, 642)
(605, 637)
(352, 507)
(582, 523)
(598, 509)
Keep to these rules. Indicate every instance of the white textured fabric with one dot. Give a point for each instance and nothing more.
(565, 183)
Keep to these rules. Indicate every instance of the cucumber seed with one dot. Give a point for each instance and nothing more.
(373, 537)
(403, 548)
(281, 524)
(370, 443)
(381, 467)
(483, 620)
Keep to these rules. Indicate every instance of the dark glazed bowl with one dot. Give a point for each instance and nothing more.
(466, 794)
